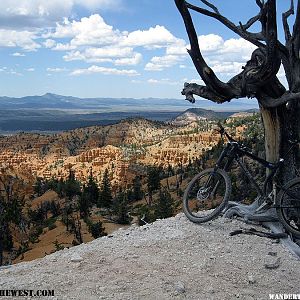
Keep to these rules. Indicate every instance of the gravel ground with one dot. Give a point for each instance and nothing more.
(169, 259)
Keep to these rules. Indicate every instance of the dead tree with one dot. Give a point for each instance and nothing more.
(280, 107)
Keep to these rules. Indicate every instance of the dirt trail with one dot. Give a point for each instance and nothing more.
(169, 259)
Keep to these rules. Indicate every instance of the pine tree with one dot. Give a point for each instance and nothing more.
(92, 189)
(72, 186)
(121, 208)
(95, 229)
(89, 196)
(84, 203)
(11, 204)
(153, 181)
(38, 187)
(164, 206)
(137, 188)
(105, 195)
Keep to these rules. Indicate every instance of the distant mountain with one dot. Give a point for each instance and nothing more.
(197, 114)
(51, 112)
(53, 101)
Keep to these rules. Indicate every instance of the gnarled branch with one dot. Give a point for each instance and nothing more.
(296, 32)
(258, 72)
(191, 89)
(250, 37)
(208, 76)
(285, 17)
(269, 102)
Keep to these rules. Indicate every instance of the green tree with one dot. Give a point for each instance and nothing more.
(92, 190)
(84, 203)
(72, 186)
(153, 181)
(38, 187)
(105, 195)
(121, 208)
(95, 229)
(164, 206)
(137, 188)
(11, 203)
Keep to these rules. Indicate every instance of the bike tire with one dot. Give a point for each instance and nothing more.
(189, 199)
(288, 208)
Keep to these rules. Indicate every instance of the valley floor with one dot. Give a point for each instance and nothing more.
(168, 259)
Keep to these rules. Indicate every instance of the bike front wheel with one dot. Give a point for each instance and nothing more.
(287, 205)
(206, 195)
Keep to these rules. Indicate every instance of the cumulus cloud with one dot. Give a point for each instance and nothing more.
(88, 31)
(106, 71)
(228, 68)
(154, 37)
(159, 63)
(40, 13)
(49, 43)
(116, 55)
(22, 39)
(224, 56)
(94, 41)
(129, 61)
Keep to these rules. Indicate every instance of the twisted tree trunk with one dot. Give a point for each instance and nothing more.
(280, 108)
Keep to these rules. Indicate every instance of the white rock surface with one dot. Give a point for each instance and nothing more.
(169, 259)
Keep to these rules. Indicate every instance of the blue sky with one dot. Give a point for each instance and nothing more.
(111, 48)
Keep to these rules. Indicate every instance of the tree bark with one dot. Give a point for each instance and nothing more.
(281, 125)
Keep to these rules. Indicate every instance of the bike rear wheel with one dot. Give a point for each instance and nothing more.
(288, 206)
(206, 195)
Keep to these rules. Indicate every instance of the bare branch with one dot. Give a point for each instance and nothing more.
(214, 8)
(250, 37)
(206, 73)
(260, 3)
(269, 102)
(191, 89)
(249, 23)
(296, 30)
(258, 74)
(285, 17)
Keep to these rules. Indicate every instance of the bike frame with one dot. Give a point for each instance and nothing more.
(233, 151)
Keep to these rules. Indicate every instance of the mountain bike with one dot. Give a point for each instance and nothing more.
(208, 193)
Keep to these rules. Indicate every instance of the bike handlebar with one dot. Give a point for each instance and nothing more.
(222, 132)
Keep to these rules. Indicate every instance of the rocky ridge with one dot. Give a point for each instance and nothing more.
(117, 147)
(168, 259)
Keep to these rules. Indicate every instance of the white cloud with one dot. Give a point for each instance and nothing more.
(129, 61)
(63, 47)
(228, 68)
(11, 71)
(155, 37)
(164, 81)
(179, 48)
(49, 43)
(159, 63)
(94, 41)
(56, 70)
(22, 39)
(118, 56)
(210, 42)
(40, 13)
(18, 54)
(30, 70)
(106, 71)
(104, 4)
(86, 32)
(226, 57)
